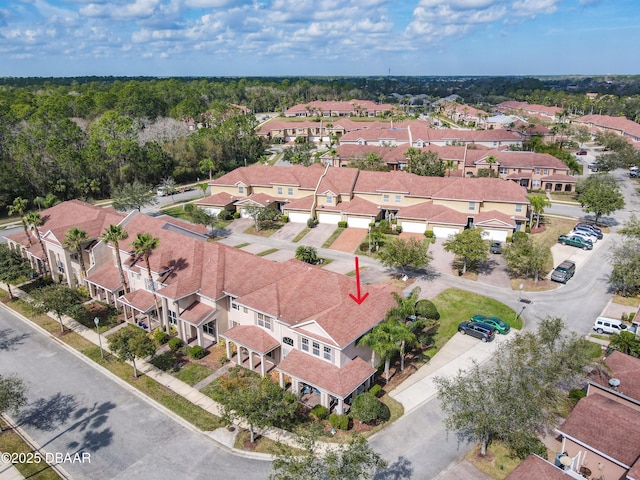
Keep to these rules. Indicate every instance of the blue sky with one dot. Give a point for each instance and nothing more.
(318, 37)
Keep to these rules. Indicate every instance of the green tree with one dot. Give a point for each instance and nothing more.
(525, 258)
(13, 394)
(625, 260)
(262, 216)
(469, 245)
(626, 342)
(538, 203)
(401, 253)
(425, 163)
(133, 195)
(13, 267)
(168, 187)
(58, 299)
(382, 342)
(258, 401)
(19, 207)
(47, 201)
(599, 194)
(113, 234)
(631, 228)
(207, 165)
(482, 406)
(74, 239)
(353, 461)
(143, 246)
(130, 343)
(367, 408)
(491, 160)
(307, 254)
(35, 221)
(203, 187)
(582, 135)
(372, 161)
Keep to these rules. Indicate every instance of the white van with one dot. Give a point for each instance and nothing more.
(609, 325)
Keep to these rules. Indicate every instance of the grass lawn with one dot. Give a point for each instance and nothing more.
(301, 235)
(497, 463)
(192, 373)
(261, 445)
(627, 301)
(456, 306)
(553, 227)
(241, 245)
(333, 237)
(264, 232)
(11, 442)
(267, 252)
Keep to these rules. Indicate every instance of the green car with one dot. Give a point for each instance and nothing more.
(575, 241)
(494, 322)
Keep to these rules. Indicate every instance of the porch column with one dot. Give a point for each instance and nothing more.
(340, 407)
(250, 353)
(199, 335)
(226, 346)
(281, 379)
(324, 399)
(262, 369)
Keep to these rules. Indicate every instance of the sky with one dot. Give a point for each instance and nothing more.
(66, 38)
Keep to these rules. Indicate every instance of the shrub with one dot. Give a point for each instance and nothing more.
(320, 412)
(632, 315)
(341, 422)
(342, 224)
(398, 229)
(428, 233)
(174, 344)
(364, 247)
(375, 390)
(509, 239)
(285, 218)
(311, 222)
(576, 394)
(427, 309)
(367, 408)
(224, 359)
(236, 214)
(167, 362)
(197, 352)
(517, 236)
(225, 215)
(161, 336)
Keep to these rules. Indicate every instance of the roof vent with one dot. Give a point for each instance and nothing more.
(615, 383)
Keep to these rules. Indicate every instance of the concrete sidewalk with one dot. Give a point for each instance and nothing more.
(457, 354)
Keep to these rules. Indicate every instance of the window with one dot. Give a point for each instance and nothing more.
(305, 344)
(245, 310)
(398, 198)
(327, 353)
(537, 171)
(240, 189)
(234, 305)
(173, 317)
(289, 191)
(385, 198)
(288, 341)
(536, 184)
(264, 321)
(209, 328)
(519, 208)
(472, 206)
(329, 199)
(545, 171)
(280, 190)
(316, 349)
(504, 170)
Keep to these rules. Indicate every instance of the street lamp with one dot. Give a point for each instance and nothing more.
(96, 320)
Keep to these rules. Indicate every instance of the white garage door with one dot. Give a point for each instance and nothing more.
(359, 222)
(212, 210)
(444, 232)
(298, 217)
(414, 227)
(244, 213)
(330, 218)
(495, 235)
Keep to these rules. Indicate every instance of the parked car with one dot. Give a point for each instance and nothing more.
(575, 241)
(500, 325)
(581, 152)
(610, 325)
(590, 228)
(584, 234)
(496, 247)
(593, 167)
(634, 172)
(563, 272)
(478, 330)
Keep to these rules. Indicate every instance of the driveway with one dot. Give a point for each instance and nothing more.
(318, 235)
(350, 239)
(289, 231)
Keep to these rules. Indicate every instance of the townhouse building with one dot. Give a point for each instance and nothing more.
(541, 112)
(349, 108)
(291, 318)
(332, 195)
(622, 126)
(599, 438)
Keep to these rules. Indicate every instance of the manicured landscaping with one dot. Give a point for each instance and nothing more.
(333, 237)
(192, 373)
(301, 235)
(267, 252)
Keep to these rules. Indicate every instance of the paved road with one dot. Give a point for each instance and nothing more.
(76, 408)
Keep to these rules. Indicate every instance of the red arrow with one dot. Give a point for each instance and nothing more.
(359, 299)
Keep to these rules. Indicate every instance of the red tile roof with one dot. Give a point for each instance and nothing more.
(325, 376)
(106, 277)
(621, 124)
(625, 368)
(221, 199)
(606, 426)
(536, 468)
(265, 175)
(252, 337)
(197, 313)
(141, 300)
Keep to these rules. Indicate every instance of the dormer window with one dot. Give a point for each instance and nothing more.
(241, 189)
(329, 199)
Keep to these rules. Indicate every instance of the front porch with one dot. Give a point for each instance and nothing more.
(249, 360)
(254, 348)
(140, 308)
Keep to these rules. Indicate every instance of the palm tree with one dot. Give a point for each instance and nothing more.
(450, 165)
(35, 221)
(404, 337)
(74, 239)
(144, 245)
(207, 165)
(625, 342)
(382, 342)
(307, 254)
(19, 207)
(113, 234)
(491, 160)
(538, 202)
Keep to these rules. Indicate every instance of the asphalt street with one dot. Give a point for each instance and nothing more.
(75, 408)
